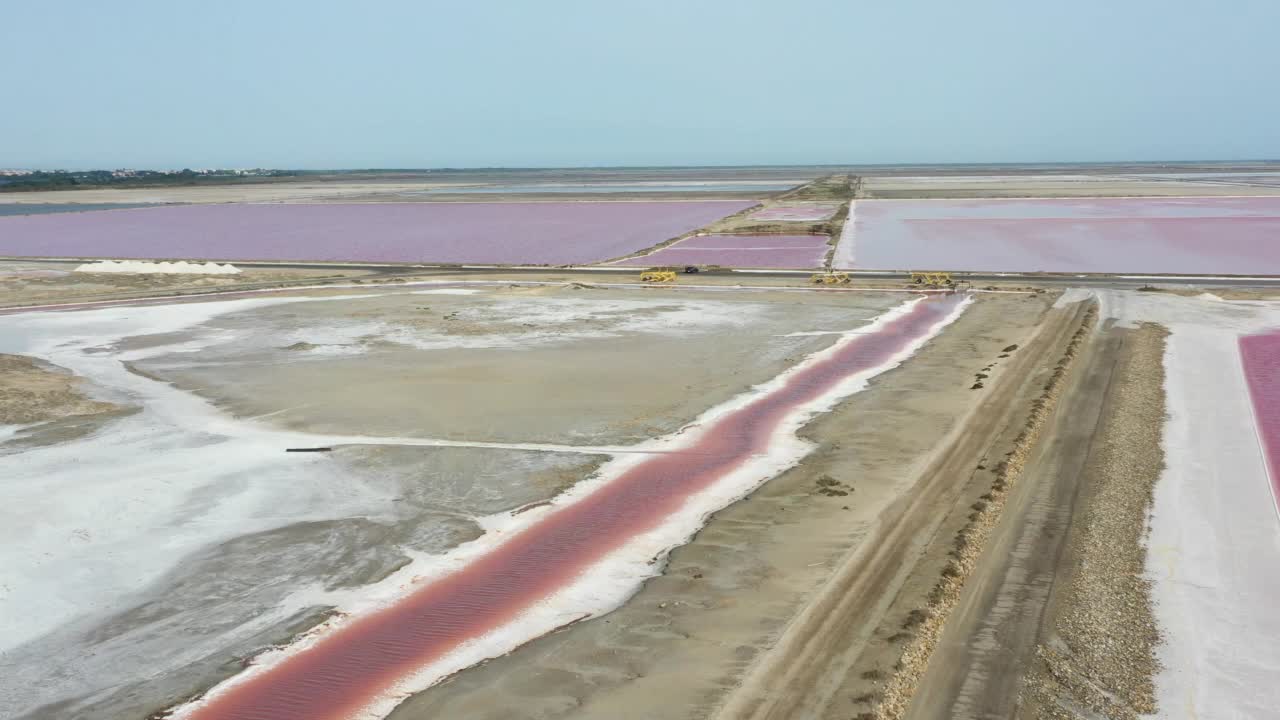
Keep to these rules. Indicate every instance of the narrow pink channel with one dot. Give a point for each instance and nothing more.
(361, 661)
(1260, 355)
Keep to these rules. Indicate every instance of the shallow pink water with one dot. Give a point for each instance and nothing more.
(360, 661)
(1261, 357)
(795, 213)
(751, 251)
(492, 232)
(1235, 236)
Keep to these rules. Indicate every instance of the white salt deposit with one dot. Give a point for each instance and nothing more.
(521, 324)
(139, 267)
(1214, 544)
(608, 584)
(112, 511)
(448, 291)
(846, 251)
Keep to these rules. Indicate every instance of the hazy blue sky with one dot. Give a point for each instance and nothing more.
(310, 83)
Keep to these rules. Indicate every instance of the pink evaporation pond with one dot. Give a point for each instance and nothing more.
(1188, 236)
(346, 669)
(749, 251)
(1260, 355)
(796, 213)
(533, 233)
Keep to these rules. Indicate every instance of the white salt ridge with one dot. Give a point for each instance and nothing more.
(1214, 543)
(139, 267)
(608, 584)
(846, 250)
(8, 431)
(447, 291)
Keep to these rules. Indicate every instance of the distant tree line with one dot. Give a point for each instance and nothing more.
(79, 179)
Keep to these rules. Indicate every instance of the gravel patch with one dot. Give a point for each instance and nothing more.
(1100, 661)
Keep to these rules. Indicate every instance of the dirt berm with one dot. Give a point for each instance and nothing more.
(836, 658)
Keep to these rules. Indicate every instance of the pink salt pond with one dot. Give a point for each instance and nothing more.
(532, 233)
(1260, 355)
(1190, 236)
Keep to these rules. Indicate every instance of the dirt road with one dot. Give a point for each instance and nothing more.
(820, 659)
(990, 638)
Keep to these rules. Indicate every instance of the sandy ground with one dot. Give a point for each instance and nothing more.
(797, 601)
(1084, 483)
(33, 392)
(174, 540)
(30, 283)
(688, 637)
(1098, 634)
(571, 366)
(975, 670)
(856, 650)
(196, 541)
(1093, 567)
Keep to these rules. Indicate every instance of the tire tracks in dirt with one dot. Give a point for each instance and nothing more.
(989, 640)
(813, 663)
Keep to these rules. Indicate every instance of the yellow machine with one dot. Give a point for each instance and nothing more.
(932, 278)
(830, 278)
(658, 276)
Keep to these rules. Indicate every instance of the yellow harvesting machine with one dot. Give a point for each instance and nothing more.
(830, 278)
(658, 276)
(932, 278)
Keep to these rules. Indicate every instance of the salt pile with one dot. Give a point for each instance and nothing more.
(182, 267)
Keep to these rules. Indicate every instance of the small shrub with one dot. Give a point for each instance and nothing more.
(914, 618)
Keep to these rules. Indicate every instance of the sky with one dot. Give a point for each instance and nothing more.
(557, 83)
